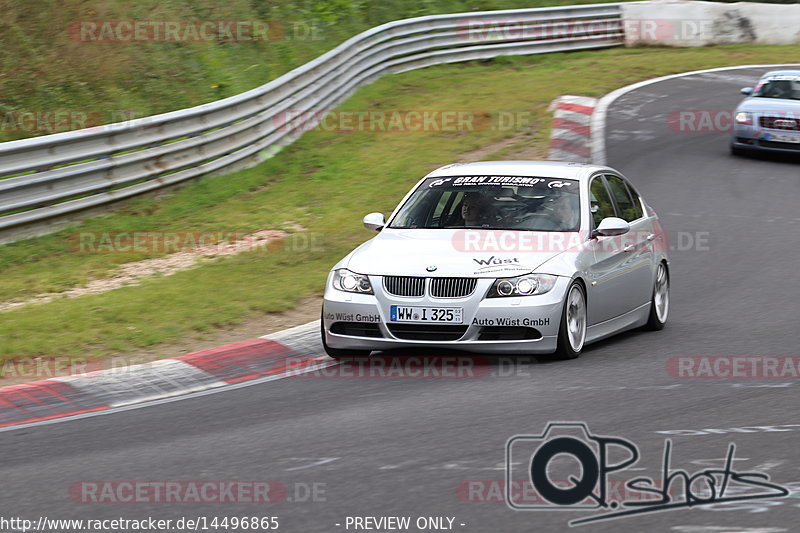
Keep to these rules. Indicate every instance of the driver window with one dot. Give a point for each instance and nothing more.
(627, 205)
(451, 216)
(600, 201)
(418, 212)
(441, 213)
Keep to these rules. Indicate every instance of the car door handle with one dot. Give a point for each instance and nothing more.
(629, 248)
(651, 236)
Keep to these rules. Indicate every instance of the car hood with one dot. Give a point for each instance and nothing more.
(457, 253)
(770, 105)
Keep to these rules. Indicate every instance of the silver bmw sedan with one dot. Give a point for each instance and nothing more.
(514, 257)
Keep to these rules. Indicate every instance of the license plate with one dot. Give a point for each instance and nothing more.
(784, 138)
(446, 315)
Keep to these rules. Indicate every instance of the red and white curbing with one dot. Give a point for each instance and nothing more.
(286, 353)
(283, 354)
(571, 135)
(578, 135)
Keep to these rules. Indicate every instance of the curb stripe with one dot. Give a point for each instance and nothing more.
(97, 391)
(51, 417)
(284, 368)
(241, 360)
(571, 125)
(577, 108)
(45, 394)
(43, 400)
(571, 130)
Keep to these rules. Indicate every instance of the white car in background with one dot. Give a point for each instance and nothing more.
(514, 257)
(768, 120)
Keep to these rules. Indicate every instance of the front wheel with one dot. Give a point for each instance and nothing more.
(659, 304)
(338, 354)
(572, 332)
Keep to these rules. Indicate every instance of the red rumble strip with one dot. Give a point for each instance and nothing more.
(571, 133)
(102, 390)
(585, 109)
(43, 400)
(244, 360)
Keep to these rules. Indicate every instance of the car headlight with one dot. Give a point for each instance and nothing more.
(522, 285)
(743, 118)
(347, 281)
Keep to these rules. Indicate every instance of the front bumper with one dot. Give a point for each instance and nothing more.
(512, 325)
(746, 137)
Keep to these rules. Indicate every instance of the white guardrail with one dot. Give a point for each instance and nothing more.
(47, 180)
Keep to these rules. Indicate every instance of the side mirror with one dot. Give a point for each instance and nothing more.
(374, 221)
(747, 91)
(612, 226)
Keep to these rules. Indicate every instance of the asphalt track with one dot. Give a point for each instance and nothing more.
(405, 446)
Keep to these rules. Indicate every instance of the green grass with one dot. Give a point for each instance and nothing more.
(43, 67)
(325, 182)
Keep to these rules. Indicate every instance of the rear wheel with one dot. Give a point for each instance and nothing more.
(572, 332)
(659, 304)
(338, 354)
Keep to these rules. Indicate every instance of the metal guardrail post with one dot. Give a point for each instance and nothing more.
(54, 178)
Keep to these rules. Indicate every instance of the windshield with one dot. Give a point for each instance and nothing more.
(493, 202)
(785, 87)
